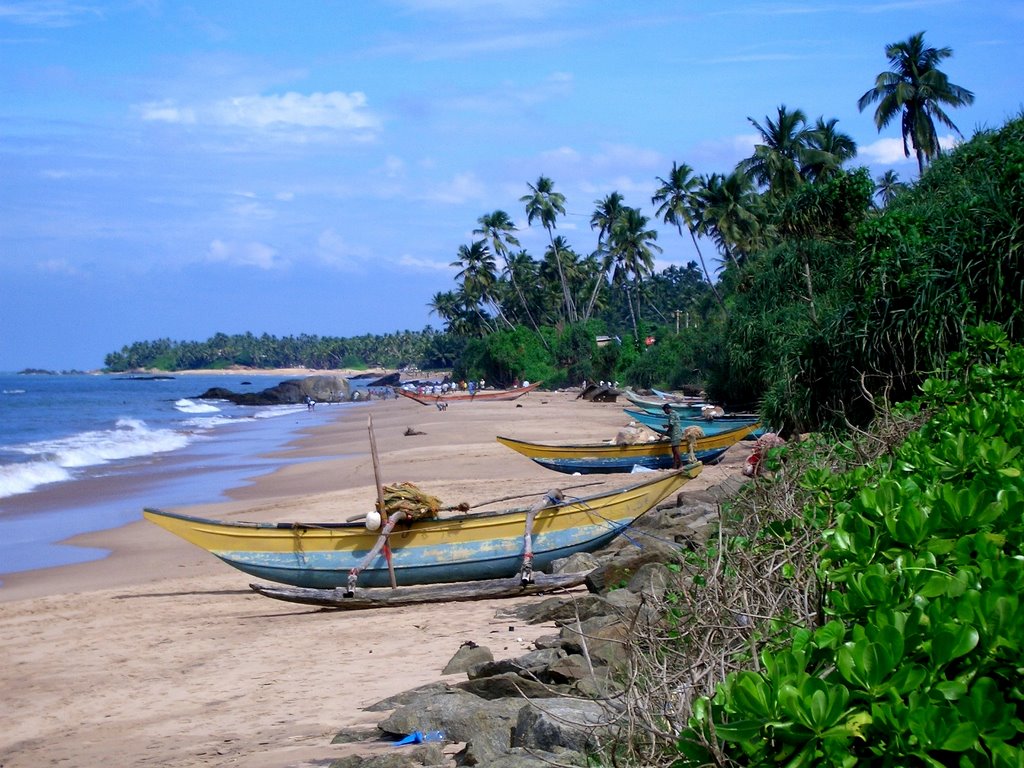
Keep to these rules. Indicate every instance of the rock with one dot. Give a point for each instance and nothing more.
(557, 609)
(469, 655)
(580, 562)
(404, 759)
(548, 641)
(651, 579)
(623, 602)
(323, 389)
(617, 572)
(511, 685)
(352, 735)
(486, 725)
(533, 758)
(527, 665)
(407, 697)
(602, 638)
(567, 723)
(569, 669)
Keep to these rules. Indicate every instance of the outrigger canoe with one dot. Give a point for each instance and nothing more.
(685, 407)
(659, 422)
(599, 458)
(466, 547)
(468, 397)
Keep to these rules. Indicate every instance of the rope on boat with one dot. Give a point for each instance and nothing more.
(550, 499)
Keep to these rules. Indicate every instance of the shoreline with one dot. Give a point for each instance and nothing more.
(160, 655)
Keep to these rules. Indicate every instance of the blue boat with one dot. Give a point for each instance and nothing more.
(593, 458)
(659, 422)
(602, 465)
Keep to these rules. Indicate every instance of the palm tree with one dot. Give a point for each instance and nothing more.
(606, 213)
(827, 149)
(775, 164)
(726, 211)
(545, 205)
(478, 277)
(916, 89)
(497, 228)
(631, 245)
(675, 199)
(887, 186)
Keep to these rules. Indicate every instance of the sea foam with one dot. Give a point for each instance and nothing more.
(51, 461)
(191, 406)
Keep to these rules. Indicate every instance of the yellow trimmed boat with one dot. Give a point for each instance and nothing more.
(466, 547)
(599, 458)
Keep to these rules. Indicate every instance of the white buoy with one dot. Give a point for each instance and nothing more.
(373, 520)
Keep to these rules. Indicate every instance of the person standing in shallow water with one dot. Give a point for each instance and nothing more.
(675, 434)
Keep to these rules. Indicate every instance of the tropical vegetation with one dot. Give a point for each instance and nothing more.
(816, 294)
(894, 562)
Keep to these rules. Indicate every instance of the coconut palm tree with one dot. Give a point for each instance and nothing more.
(775, 164)
(727, 212)
(545, 205)
(826, 151)
(916, 89)
(675, 199)
(887, 186)
(632, 245)
(498, 229)
(479, 279)
(606, 213)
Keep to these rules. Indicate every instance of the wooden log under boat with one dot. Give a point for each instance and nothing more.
(361, 599)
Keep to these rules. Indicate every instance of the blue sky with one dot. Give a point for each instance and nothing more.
(178, 169)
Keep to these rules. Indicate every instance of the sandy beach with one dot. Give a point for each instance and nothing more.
(160, 655)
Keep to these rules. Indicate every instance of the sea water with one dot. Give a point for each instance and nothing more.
(82, 453)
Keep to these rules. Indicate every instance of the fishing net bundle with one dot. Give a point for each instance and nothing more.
(414, 503)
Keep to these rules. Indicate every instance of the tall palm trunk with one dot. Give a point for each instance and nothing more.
(704, 266)
(570, 305)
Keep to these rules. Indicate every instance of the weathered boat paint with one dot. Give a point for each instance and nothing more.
(463, 548)
(591, 458)
(468, 397)
(659, 422)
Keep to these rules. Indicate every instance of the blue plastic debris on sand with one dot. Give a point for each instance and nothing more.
(419, 737)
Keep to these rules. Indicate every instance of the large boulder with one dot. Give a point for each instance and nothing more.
(322, 389)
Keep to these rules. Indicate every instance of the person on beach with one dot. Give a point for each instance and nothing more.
(675, 434)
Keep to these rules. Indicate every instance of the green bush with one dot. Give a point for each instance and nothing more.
(920, 660)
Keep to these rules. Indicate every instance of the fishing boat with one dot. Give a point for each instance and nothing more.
(457, 396)
(659, 422)
(692, 408)
(465, 547)
(594, 458)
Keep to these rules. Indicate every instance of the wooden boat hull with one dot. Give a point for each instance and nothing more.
(466, 397)
(655, 406)
(361, 599)
(608, 457)
(616, 465)
(659, 422)
(464, 548)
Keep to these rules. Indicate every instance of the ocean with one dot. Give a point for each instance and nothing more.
(84, 453)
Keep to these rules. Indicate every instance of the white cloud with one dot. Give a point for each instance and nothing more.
(332, 250)
(244, 255)
(889, 151)
(166, 111)
(47, 13)
(393, 166)
(418, 264)
(59, 267)
(460, 189)
(333, 112)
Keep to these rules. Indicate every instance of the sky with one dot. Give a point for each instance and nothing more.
(178, 169)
